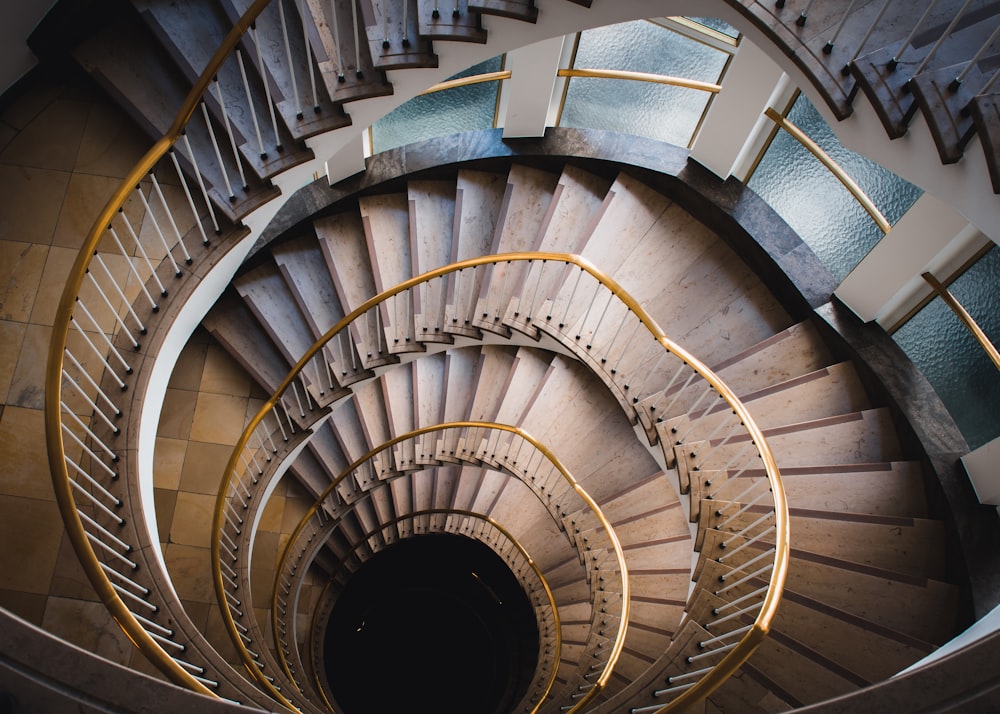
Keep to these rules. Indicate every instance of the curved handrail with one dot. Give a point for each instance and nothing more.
(754, 633)
(63, 483)
(522, 551)
(283, 561)
(648, 77)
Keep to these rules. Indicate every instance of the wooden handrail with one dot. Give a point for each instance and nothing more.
(977, 332)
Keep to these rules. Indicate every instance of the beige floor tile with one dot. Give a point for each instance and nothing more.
(11, 337)
(168, 461)
(111, 144)
(218, 418)
(177, 413)
(30, 203)
(22, 452)
(27, 386)
(21, 267)
(58, 265)
(52, 139)
(295, 509)
(86, 195)
(166, 504)
(33, 102)
(187, 372)
(31, 531)
(88, 625)
(271, 518)
(69, 578)
(192, 522)
(29, 606)
(222, 374)
(204, 466)
(191, 572)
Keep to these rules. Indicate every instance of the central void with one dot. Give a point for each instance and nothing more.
(434, 623)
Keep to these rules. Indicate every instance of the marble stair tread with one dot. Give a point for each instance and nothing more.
(135, 70)
(191, 44)
(887, 489)
(347, 425)
(576, 200)
(370, 407)
(428, 389)
(526, 200)
(304, 114)
(490, 381)
(517, 9)
(826, 392)
(527, 372)
(342, 240)
(944, 105)
(310, 472)
(267, 295)
(301, 263)
(397, 389)
(344, 59)
(454, 22)
(237, 329)
(858, 437)
(985, 111)
(394, 40)
(908, 546)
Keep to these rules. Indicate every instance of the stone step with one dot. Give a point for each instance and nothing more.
(268, 297)
(452, 22)
(516, 9)
(909, 546)
(190, 32)
(237, 329)
(127, 61)
(394, 40)
(304, 113)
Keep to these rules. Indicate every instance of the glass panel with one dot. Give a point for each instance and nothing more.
(441, 113)
(656, 111)
(952, 360)
(816, 204)
(716, 24)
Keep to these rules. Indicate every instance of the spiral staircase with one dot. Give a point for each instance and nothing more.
(563, 358)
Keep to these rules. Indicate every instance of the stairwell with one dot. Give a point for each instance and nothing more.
(833, 442)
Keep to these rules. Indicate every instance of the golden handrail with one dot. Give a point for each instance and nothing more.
(838, 172)
(54, 370)
(962, 314)
(468, 81)
(542, 449)
(459, 512)
(762, 623)
(648, 77)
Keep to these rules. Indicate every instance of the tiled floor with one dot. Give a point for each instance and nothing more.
(63, 150)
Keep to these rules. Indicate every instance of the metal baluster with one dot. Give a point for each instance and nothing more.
(91, 403)
(252, 111)
(868, 33)
(503, 292)
(611, 298)
(142, 252)
(90, 452)
(121, 294)
(288, 55)
(385, 25)
(107, 449)
(944, 36)
(957, 82)
(336, 41)
(97, 328)
(97, 352)
(406, 8)
(572, 297)
(156, 227)
(264, 76)
(201, 185)
(229, 131)
(134, 271)
(801, 21)
(111, 309)
(897, 58)
(357, 39)
(309, 57)
(218, 153)
(170, 217)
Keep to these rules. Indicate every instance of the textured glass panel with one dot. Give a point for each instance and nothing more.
(660, 112)
(441, 113)
(716, 24)
(952, 360)
(816, 204)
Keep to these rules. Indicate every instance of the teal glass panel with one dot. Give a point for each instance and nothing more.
(951, 359)
(448, 112)
(716, 24)
(816, 204)
(657, 111)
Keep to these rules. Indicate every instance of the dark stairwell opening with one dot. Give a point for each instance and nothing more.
(433, 623)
